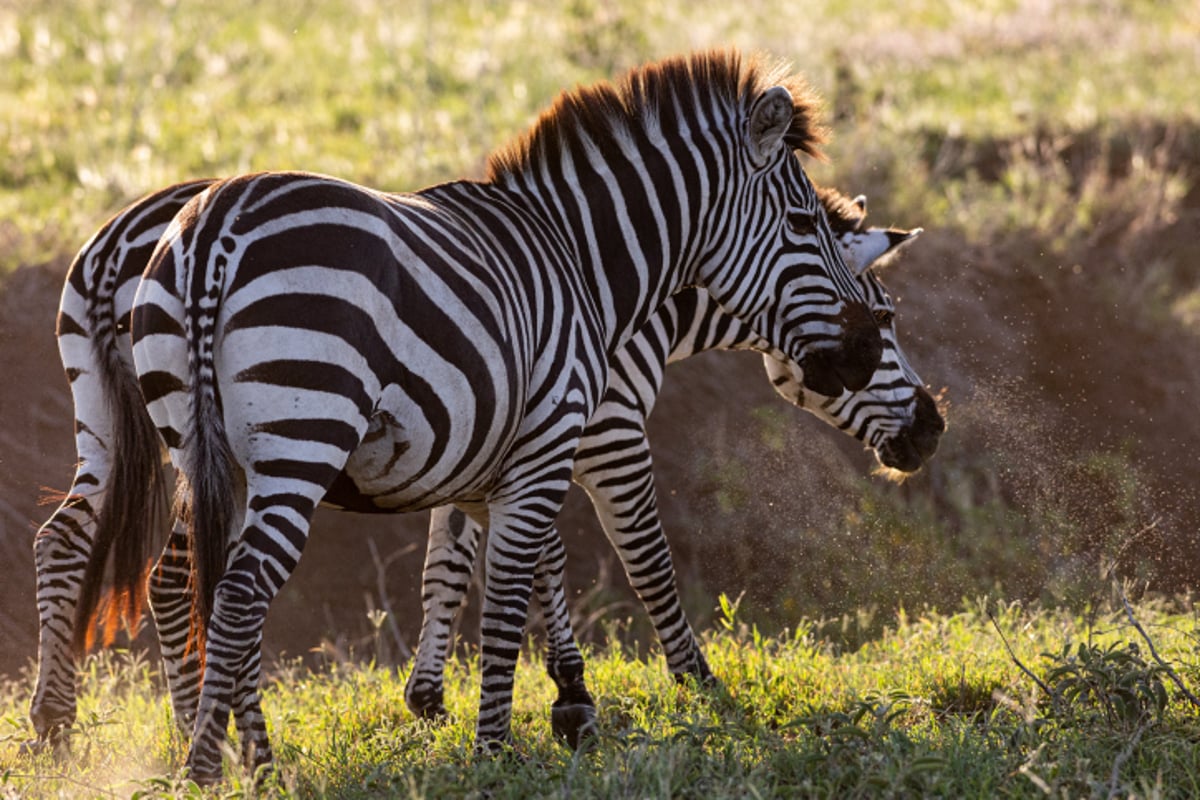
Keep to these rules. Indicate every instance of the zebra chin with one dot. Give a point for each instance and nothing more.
(908, 450)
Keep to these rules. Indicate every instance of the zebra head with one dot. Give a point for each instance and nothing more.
(777, 265)
(894, 414)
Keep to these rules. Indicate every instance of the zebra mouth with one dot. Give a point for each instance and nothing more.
(908, 450)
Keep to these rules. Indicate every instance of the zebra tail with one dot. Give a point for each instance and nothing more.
(211, 465)
(135, 491)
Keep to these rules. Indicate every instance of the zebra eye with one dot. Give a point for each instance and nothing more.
(802, 223)
(884, 317)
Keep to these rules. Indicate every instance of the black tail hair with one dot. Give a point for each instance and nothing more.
(134, 495)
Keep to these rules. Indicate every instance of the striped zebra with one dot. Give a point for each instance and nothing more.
(71, 549)
(465, 332)
(894, 415)
(95, 307)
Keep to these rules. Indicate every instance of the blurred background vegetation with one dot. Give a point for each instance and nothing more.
(1050, 148)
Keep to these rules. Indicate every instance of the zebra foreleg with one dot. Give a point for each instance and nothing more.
(517, 537)
(449, 561)
(573, 715)
(628, 512)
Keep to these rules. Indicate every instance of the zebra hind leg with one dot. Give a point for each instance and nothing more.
(271, 542)
(170, 604)
(257, 757)
(573, 715)
(449, 561)
(60, 552)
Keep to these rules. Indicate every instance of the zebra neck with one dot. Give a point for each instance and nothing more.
(633, 238)
(698, 323)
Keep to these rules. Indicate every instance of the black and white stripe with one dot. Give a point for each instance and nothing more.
(614, 468)
(92, 330)
(300, 338)
(894, 414)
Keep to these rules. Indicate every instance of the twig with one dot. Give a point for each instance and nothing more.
(64, 778)
(381, 568)
(1016, 660)
(1121, 758)
(1153, 652)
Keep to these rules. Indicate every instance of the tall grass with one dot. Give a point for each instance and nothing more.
(102, 101)
(935, 707)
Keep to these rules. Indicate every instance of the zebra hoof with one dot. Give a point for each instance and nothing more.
(426, 703)
(33, 748)
(55, 743)
(204, 776)
(699, 673)
(498, 750)
(574, 724)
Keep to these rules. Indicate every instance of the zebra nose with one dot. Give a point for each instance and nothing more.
(912, 447)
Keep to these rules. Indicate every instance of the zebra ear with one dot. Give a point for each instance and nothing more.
(874, 247)
(770, 119)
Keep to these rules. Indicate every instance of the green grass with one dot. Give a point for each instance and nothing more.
(936, 706)
(103, 101)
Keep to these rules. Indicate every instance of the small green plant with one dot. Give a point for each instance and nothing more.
(1112, 680)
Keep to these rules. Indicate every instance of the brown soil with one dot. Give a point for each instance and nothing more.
(1038, 368)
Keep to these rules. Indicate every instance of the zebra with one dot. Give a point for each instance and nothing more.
(894, 414)
(95, 306)
(264, 374)
(72, 547)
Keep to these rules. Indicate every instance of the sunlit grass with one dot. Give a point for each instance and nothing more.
(100, 102)
(934, 706)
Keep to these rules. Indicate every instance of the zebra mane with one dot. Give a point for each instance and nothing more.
(845, 215)
(701, 86)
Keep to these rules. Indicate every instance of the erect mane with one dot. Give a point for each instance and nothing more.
(708, 85)
(845, 215)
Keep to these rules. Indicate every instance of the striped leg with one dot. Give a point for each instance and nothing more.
(573, 715)
(518, 536)
(63, 544)
(248, 714)
(170, 600)
(620, 482)
(512, 553)
(449, 561)
(267, 552)
(96, 359)
(170, 603)
(60, 552)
